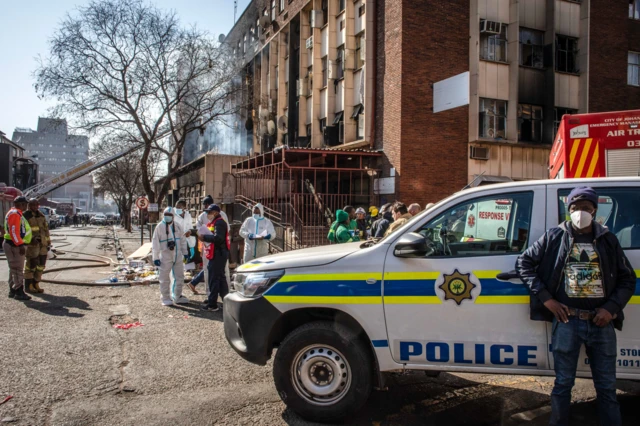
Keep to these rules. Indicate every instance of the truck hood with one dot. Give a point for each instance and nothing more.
(316, 256)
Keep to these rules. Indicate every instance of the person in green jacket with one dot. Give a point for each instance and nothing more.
(340, 231)
(351, 211)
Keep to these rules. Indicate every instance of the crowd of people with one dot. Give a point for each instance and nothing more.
(353, 224)
(171, 249)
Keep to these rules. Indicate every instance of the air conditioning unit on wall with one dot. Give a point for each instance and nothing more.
(479, 153)
(490, 27)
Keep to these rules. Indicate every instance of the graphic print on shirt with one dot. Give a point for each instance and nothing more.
(583, 278)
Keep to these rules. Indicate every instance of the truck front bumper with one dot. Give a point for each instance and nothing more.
(248, 323)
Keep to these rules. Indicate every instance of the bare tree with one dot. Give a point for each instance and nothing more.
(129, 67)
(122, 179)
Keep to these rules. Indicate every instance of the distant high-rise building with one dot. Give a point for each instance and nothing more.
(55, 151)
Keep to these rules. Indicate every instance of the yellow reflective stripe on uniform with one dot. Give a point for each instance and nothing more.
(412, 300)
(331, 277)
(326, 300)
(35, 228)
(635, 300)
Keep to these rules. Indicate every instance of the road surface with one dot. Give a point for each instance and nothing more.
(64, 364)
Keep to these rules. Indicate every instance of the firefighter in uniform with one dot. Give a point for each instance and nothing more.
(37, 249)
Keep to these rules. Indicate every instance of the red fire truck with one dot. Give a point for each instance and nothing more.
(597, 145)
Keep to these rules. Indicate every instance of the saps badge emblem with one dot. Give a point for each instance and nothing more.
(457, 287)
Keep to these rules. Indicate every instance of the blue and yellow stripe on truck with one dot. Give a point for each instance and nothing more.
(398, 288)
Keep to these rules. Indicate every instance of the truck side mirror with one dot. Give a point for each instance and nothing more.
(411, 245)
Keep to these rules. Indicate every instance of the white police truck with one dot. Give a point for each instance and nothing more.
(423, 298)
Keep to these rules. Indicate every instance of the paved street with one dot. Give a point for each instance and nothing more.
(65, 364)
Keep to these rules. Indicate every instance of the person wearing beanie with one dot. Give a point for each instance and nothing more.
(203, 220)
(580, 280)
(340, 231)
(218, 254)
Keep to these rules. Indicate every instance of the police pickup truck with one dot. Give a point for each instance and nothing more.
(439, 294)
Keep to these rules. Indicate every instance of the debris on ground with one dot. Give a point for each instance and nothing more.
(127, 326)
(8, 420)
(141, 272)
(124, 322)
(6, 399)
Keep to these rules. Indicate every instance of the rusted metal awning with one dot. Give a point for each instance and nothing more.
(312, 159)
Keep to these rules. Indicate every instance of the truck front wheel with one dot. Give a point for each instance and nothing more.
(323, 371)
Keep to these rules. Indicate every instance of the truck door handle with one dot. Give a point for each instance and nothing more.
(506, 276)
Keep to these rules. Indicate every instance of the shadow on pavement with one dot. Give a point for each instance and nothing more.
(193, 309)
(450, 400)
(58, 305)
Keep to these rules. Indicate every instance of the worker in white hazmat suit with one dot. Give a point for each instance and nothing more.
(257, 231)
(169, 254)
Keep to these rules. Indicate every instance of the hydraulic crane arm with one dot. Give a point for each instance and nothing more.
(77, 171)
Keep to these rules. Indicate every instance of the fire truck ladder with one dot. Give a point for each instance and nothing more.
(77, 171)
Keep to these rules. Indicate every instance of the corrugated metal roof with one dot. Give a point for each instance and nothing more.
(332, 150)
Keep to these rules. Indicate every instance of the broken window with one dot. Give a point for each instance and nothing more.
(530, 123)
(531, 48)
(566, 54)
(493, 118)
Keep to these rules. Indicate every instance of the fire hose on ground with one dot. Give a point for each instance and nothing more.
(97, 263)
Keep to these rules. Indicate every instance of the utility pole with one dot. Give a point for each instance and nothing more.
(235, 10)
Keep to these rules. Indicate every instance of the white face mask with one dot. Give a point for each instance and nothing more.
(210, 217)
(168, 219)
(256, 216)
(581, 219)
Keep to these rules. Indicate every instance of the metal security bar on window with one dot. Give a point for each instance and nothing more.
(531, 48)
(493, 42)
(493, 118)
(633, 69)
(567, 54)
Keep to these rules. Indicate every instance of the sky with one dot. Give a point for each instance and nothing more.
(27, 26)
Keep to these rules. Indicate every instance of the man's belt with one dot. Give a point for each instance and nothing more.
(582, 314)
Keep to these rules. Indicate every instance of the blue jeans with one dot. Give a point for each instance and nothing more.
(601, 349)
(198, 278)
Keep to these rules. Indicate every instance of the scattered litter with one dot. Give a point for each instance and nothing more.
(135, 264)
(170, 316)
(9, 420)
(186, 317)
(6, 399)
(124, 320)
(127, 326)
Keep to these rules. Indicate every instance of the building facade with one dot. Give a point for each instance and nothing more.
(55, 150)
(528, 61)
(16, 170)
(304, 81)
(344, 74)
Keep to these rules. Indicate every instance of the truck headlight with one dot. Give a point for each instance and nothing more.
(253, 284)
